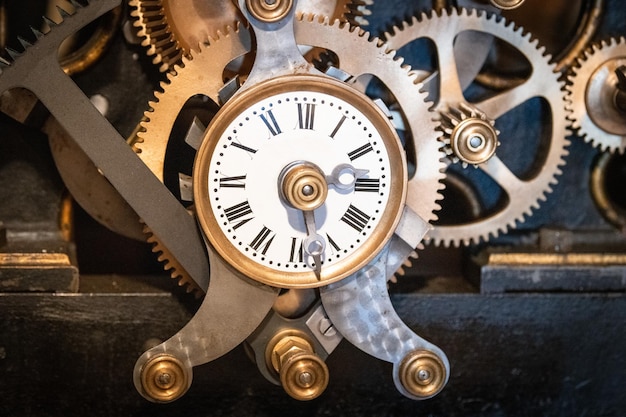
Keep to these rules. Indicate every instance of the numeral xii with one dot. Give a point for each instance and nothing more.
(306, 116)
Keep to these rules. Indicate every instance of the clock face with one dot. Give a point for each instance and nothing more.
(282, 145)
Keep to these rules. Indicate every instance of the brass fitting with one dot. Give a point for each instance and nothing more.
(423, 374)
(507, 4)
(164, 378)
(303, 186)
(472, 135)
(269, 11)
(303, 374)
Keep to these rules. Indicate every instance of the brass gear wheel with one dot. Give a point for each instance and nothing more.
(169, 33)
(596, 95)
(170, 264)
(522, 190)
(202, 75)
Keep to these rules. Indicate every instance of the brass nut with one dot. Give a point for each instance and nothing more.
(423, 374)
(286, 347)
(164, 378)
(303, 374)
(269, 11)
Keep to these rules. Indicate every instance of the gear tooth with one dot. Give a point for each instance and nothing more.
(49, 22)
(492, 17)
(4, 63)
(76, 4)
(169, 263)
(38, 34)
(64, 13)
(541, 49)
(176, 69)
(25, 44)
(13, 53)
(390, 33)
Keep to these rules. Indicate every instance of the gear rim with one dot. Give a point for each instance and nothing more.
(432, 26)
(582, 74)
(167, 45)
(236, 42)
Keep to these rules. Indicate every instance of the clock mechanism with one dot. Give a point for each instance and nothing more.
(300, 181)
(290, 168)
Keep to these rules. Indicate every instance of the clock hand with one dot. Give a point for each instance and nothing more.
(304, 187)
(314, 244)
(344, 176)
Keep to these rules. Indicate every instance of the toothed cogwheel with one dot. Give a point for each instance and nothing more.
(597, 92)
(172, 29)
(202, 75)
(45, 50)
(171, 265)
(470, 136)
(521, 185)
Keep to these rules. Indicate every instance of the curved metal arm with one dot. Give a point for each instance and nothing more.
(232, 309)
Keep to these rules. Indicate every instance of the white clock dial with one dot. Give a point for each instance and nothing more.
(349, 159)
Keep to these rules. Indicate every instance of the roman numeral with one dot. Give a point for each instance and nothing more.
(270, 122)
(263, 240)
(343, 119)
(233, 182)
(242, 147)
(367, 185)
(359, 152)
(297, 254)
(355, 218)
(306, 118)
(238, 211)
(332, 243)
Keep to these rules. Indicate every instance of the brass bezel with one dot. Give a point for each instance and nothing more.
(330, 272)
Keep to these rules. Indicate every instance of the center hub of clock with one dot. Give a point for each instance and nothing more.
(303, 185)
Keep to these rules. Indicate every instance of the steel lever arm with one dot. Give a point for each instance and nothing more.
(231, 310)
(41, 73)
(361, 310)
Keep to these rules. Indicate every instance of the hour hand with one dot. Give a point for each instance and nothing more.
(304, 187)
(344, 176)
